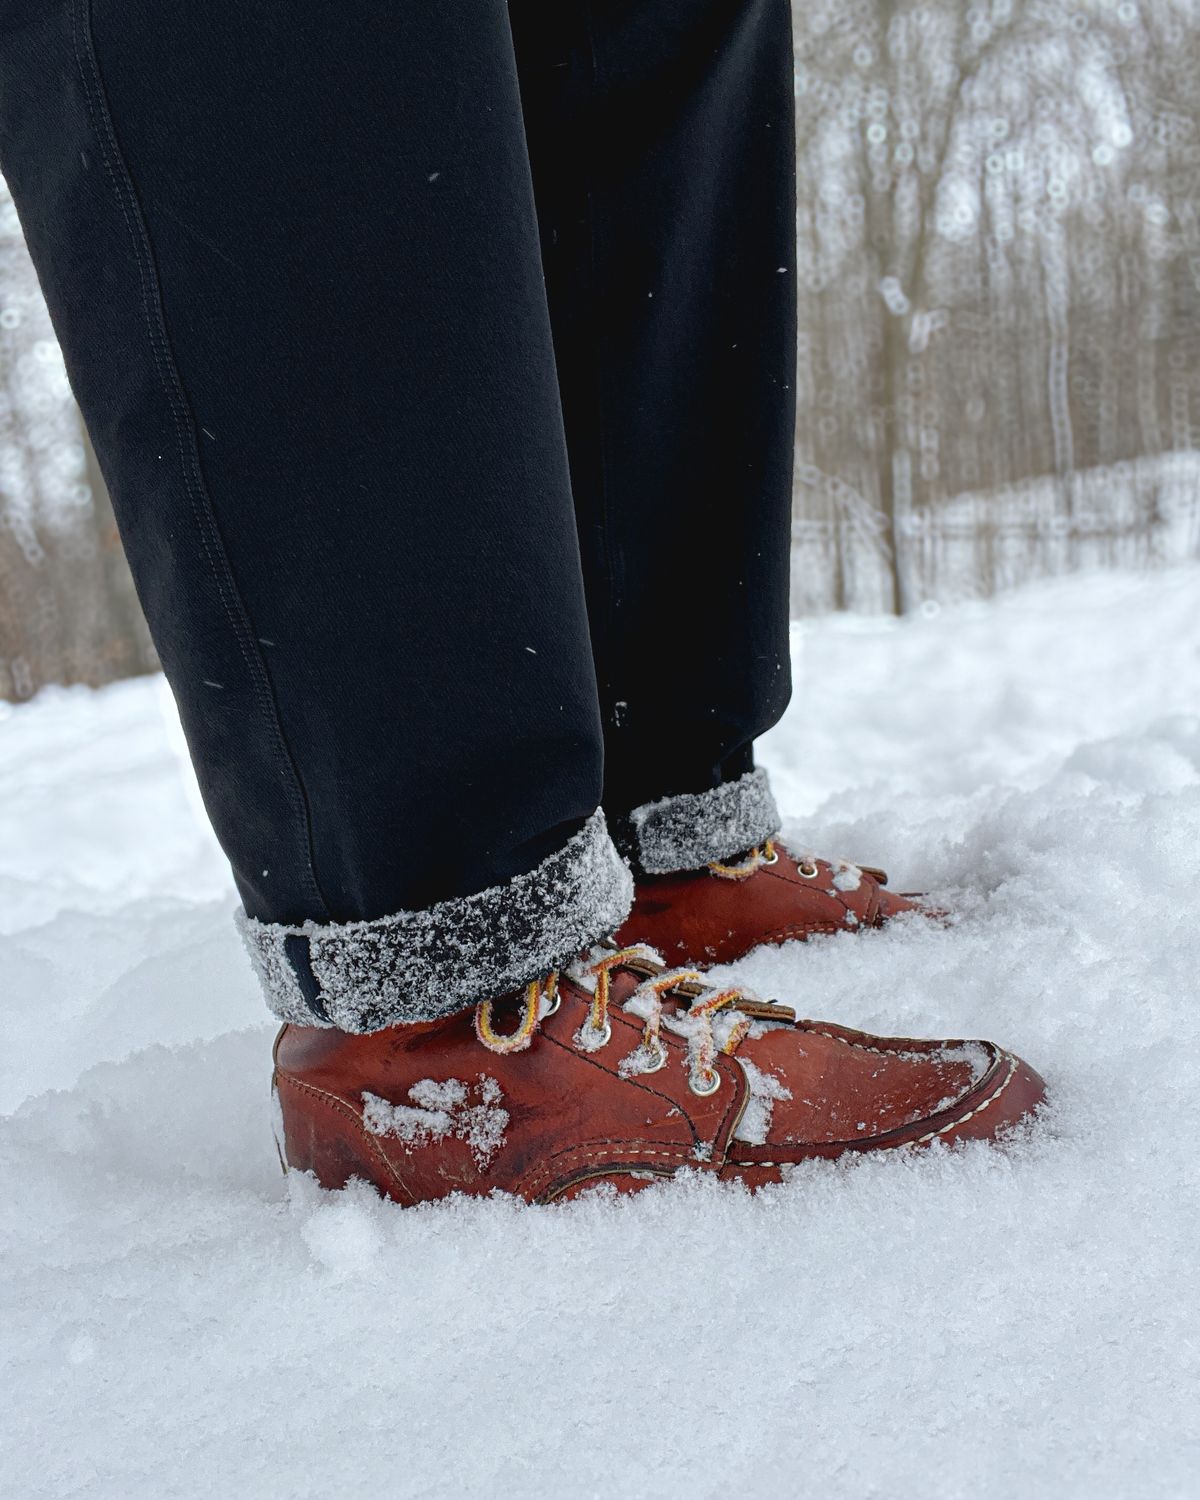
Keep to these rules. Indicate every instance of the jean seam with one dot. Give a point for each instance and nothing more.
(607, 688)
(204, 515)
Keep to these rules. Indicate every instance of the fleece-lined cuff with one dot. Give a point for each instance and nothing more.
(694, 828)
(419, 965)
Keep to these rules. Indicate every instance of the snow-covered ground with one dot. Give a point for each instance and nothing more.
(177, 1322)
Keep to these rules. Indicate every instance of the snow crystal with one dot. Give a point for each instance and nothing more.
(685, 832)
(847, 877)
(430, 1094)
(765, 1090)
(977, 1058)
(439, 1109)
(591, 1038)
(988, 1324)
(489, 1090)
(724, 1023)
(405, 1123)
(642, 1059)
(644, 1003)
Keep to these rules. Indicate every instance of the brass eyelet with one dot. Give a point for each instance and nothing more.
(808, 870)
(660, 1061)
(697, 1086)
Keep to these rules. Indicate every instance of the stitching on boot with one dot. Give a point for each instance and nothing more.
(724, 1127)
(420, 965)
(919, 1140)
(979, 1108)
(838, 896)
(351, 1114)
(903, 1044)
(802, 930)
(687, 831)
(871, 916)
(680, 1155)
(183, 420)
(594, 1061)
(546, 1174)
(554, 1193)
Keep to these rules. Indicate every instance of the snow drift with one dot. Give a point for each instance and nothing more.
(178, 1321)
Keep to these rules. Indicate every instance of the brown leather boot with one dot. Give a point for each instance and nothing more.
(716, 914)
(622, 1072)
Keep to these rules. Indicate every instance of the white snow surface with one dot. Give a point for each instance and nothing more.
(179, 1321)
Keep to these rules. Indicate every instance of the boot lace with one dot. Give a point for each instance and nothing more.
(716, 1021)
(756, 859)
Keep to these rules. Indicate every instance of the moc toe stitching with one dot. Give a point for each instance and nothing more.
(978, 1097)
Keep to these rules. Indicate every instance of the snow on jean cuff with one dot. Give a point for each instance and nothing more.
(421, 965)
(690, 830)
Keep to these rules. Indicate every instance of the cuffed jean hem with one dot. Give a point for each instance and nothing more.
(692, 829)
(420, 965)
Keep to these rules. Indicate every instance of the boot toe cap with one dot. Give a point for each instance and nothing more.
(1008, 1094)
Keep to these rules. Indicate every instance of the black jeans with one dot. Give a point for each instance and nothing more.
(439, 358)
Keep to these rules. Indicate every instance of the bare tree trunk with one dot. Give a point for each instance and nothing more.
(999, 242)
(998, 226)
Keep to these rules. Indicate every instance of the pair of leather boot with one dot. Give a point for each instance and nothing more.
(626, 1067)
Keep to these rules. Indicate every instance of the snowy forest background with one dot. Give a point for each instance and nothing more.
(999, 268)
(999, 273)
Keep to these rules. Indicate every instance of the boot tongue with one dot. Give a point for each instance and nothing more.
(624, 981)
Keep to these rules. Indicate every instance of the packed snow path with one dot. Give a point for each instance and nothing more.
(177, 1322)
